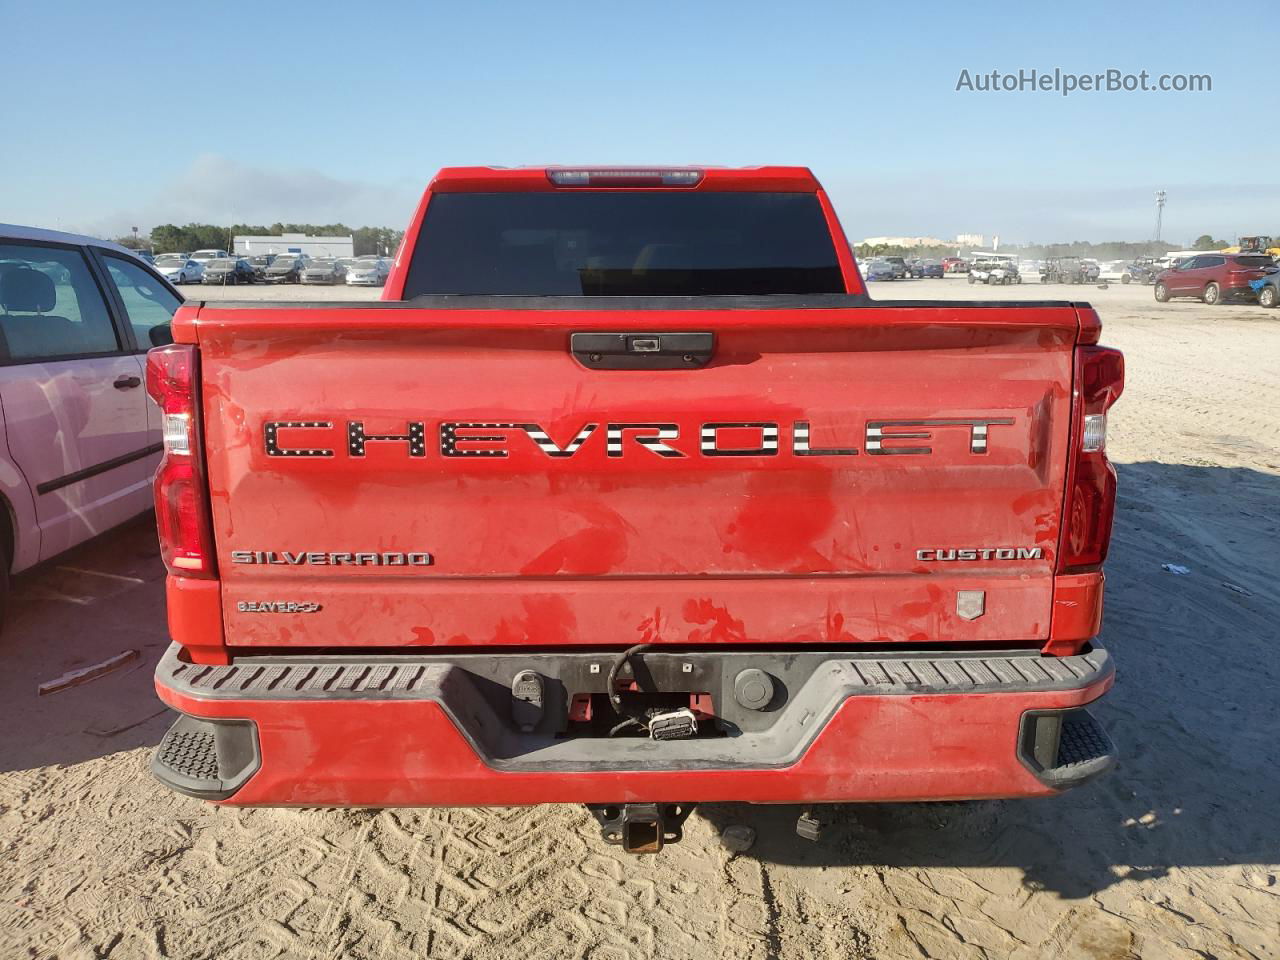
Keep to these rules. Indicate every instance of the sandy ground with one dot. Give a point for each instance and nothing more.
(1174, 855)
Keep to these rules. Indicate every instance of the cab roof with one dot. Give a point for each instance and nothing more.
(13, 231)
(773, 179)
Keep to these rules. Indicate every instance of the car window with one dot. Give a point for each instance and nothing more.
(1212, 261)
(148, 303)
(50, 305)
(624, 243)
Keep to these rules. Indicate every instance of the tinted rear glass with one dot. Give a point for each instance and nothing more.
(623, 243)
(1255, 261)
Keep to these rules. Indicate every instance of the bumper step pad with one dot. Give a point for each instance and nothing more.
(1084, 742)
(209, 759)
(191, 753)
(1065, 749)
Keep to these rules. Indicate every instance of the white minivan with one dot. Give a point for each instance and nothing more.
(79, 437)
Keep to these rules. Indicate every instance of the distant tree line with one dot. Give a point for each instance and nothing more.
(170, 238)
(1206, 242)
(1118, 250)
(865, 251)
(1110, 250)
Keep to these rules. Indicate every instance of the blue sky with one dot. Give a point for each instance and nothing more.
(143, 113)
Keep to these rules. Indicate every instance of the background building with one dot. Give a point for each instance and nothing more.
(295, 243)
(902, 242)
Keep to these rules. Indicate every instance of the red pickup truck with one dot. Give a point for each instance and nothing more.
(627, 495)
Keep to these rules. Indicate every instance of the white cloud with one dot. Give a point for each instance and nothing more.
(217, 189)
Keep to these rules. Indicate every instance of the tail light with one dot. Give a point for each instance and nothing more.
(182, 507)
(1091, 479)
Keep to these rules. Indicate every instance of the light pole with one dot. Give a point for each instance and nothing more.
(1160, 195)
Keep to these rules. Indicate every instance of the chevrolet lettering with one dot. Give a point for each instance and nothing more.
(488, 438)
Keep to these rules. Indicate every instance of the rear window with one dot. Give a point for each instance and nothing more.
(624, 243)
(1255, 261)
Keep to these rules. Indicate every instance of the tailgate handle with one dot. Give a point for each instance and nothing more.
(642, 351)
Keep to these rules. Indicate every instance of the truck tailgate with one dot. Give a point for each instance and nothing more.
(393, 476)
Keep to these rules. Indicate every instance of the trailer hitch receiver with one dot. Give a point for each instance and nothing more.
(641, 827)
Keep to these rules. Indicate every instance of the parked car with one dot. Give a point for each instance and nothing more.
(880, 269)
(1268, 289)
(285, 268)
(366, 474)
(326, 270)
(179, 268)
(260, 264)
(228, 271)
(921, 269)
(367, 272)
(1116, 271)
(369, 608)
(899, 266)
(1214, 277)
(955, 265)
(79, 440)
(205, 256)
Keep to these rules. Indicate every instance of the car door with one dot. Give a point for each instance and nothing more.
(1214, 271)
(1183, 279)
(147, 305)
(74, 405)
